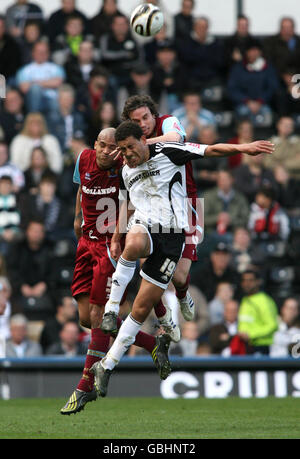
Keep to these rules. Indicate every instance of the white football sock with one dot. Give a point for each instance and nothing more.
(125, 338)
(121, 277)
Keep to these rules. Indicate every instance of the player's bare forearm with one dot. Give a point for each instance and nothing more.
(125, 213)
(252, 149)
(78, 215)
(172, 136)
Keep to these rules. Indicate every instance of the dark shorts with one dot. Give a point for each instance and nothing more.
(167, 250)
(93, 271)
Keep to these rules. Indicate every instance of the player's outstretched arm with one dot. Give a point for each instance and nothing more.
(252, 149)
(126, 211)
(171, 136)
(78, 215)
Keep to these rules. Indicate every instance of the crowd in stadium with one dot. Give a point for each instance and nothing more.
(67, 77)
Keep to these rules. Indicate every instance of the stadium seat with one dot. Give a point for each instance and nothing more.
(64, 248)
(276, 249)
(295, 223)
(282, 274)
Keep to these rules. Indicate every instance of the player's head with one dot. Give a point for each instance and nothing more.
(143, 111)
(133, 143)
(104, 145)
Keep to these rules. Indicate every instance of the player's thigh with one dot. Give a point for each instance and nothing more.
(148, 296)
(138, 243)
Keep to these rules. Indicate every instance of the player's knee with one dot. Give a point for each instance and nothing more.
(96, 313)
(85, 322)
(179, 279)
(134, 248)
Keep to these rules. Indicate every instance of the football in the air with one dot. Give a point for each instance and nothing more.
(147, 20)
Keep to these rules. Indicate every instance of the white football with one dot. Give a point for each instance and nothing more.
(146, 20)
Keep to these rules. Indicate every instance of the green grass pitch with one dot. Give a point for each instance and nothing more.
(152, 418)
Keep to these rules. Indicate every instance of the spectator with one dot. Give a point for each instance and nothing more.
(32, 34)
(37, 168)
(236, 44)
(3, 270)
(201, 311)
(19, 345)
(215, 270)
(10, 230)
(193, 116)
(91, 95)
(67, 44)
(78, 68)
(288, 190)
(225, 207)
(9, 169)
(40, 80)
(287, 147)
(35, 134)
(206, 170)
(288, 329)
(67, 120)
(150, 48)
(183, 21)
(221, 334)
(283, 49)
(119, 51)
(78, 144)
(104, 117)
(48, 208)
(257, 318)
(267, 220)
(140, 79)
(66, 310)
(187, 346)
(224, 293)
(243, 255)
(69, 344)
(57, 20)
(244, 134)
(252, 85)
(66, 188)
(5, 307)
(29, 269)
(251, 175)
(202, 55)
(101, 23)
(286, 103)
(8, 48)
(19, 14)
(12, 114)
(169, 78)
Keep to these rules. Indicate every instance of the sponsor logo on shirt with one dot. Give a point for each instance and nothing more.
(99, 191)
(142, 176)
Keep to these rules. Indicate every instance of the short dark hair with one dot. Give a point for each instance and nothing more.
(268, 192)
(135, 102)
(254, 272)
(6, 178)
(74, 17)
(127, 129)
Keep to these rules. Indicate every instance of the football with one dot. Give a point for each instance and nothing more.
(146, 20)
